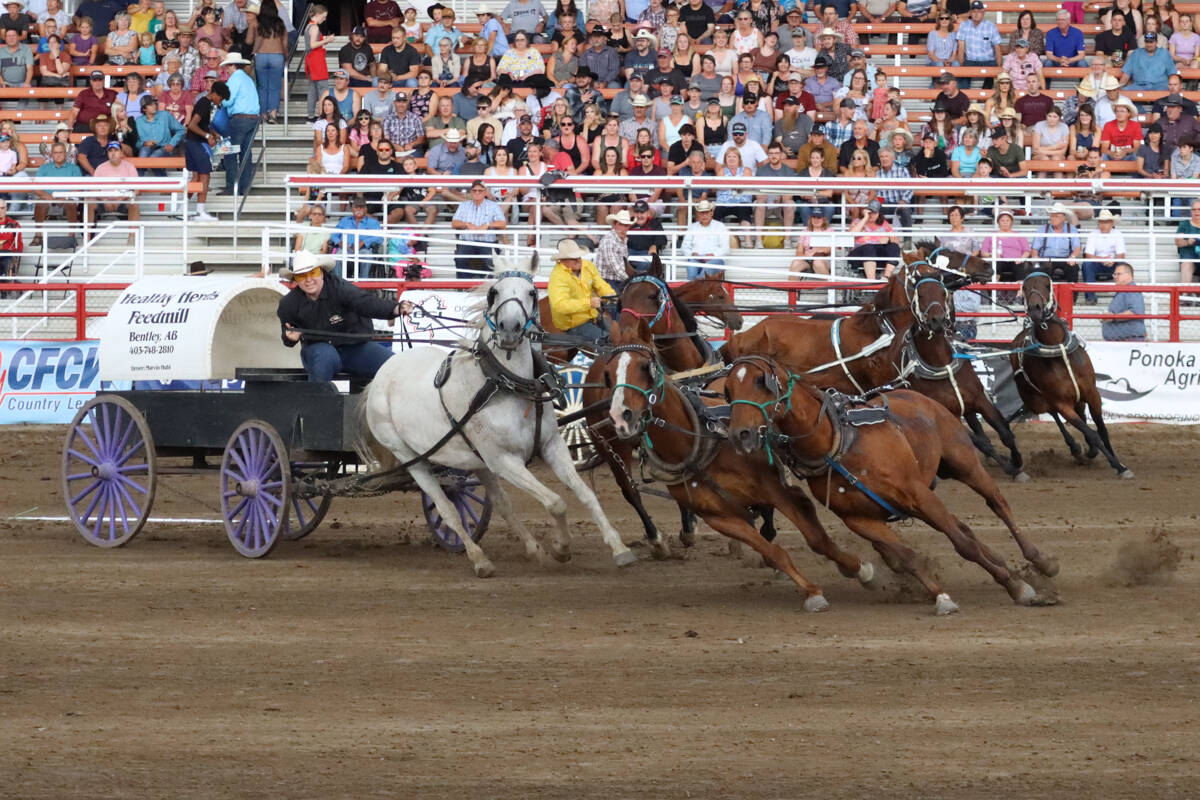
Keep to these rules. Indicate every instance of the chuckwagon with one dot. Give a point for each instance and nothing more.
(197, 374)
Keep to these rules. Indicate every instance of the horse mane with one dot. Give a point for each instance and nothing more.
(928, 245)
(478, 294)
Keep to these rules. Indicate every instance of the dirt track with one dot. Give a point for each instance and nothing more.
(363, 663)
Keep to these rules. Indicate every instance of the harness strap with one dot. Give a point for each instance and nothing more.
(837, 467)
(836, 337)
(1062, 349)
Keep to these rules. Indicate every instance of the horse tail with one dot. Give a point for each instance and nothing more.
(370, 450)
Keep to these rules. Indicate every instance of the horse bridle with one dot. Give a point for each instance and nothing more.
(1050, 303)
(922, 315)
(664, 300)
(655, 392)
(930, 261)
(781, 400)
(532, 322)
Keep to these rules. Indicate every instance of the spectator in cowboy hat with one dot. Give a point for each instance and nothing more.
(1104, 249)
(492, 30)
(612, 254)
(244, 116)
(601, 58)
(642, 57)
(1057, 246)
(706, 242)
(575, 290)
(1176, 125)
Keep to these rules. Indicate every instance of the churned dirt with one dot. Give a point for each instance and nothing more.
(363, 662)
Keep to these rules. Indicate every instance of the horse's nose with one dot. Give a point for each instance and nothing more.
(627, 417)
(744, 440)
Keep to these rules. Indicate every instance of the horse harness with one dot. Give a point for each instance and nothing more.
(1031, 346)
(846, 414)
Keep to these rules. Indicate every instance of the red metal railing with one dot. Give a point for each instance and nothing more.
(799, 294)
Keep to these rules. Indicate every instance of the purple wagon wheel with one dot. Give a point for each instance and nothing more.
(305, 513)
(109, 471)
(256, 482)
(474, 510)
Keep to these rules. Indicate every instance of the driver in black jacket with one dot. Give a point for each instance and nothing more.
(328, 316)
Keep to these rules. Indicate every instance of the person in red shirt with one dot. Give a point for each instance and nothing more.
(11, 245)
(91, 103)
(1121, 138)
(795, 88)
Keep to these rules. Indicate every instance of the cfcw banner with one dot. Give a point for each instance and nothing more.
(1148, 381)
(46, 382)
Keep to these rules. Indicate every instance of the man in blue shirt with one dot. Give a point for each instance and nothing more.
(759, 124)
(243, 109)
(1064, 45)
(354, 242)
(1057, 247)
(1125, 304)
(158, 134)
(492, 30)
(56, 167)
(978, 43)
(1148, 68)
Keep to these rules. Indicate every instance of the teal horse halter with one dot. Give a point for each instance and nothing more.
(782, 401)
(664, 302)
(653, 394)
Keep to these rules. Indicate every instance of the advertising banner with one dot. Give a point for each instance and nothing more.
(46, 382)
(436, 315)
(1148, 381)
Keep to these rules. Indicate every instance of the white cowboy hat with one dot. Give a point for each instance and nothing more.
(905, 132)
(568, 248)
(705, 205)
(1106, 216)
(645, 34)
(233, 59)
(304, 261)
(621, 216)
(452, 135)
(1110, 83)
(1059, 208)
(1125, 101)
(830, 32)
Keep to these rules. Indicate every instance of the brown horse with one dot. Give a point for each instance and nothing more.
(1054, 374)
(672, 326)
(701, 471)
(874, 472)
(919, 352)
(803, 344)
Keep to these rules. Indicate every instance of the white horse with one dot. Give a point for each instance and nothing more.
(405, 414)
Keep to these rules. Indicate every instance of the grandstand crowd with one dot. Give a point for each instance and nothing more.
(635, 88)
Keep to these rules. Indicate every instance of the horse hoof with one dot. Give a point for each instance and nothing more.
(624, 559)
(660, 550)
(561, 554)
(866, 575)
(1024, 595)
(484, 569)
(1021, 477)
(1127, 475)
(1047, 565)
(944, 606)
(687, 538)
(816, 603)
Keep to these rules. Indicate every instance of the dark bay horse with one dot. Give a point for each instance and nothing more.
(1054, 374)
(699, 467)
(872, 473)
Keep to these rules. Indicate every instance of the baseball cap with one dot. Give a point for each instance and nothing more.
(640, 76)
(664, 52)
(341, 73)
(212, 73)
(1173, 100)
(795, 76)
(817, 130)
(96, 74)
(148, 100)
(1022, 43)
(791, 101)
(738, 127)
(524, 118)
(817, 211)
(945, 77)
(1150, 37)
(641, 205)
(848, 103)
(977, 6)
(400, 96)
(471, 143)
(113, 146)
(676, 100)
(875, 205)
(358, 30)
(857, 54)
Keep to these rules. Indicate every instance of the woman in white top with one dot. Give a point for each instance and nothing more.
(503, 168)
(668, 126)
(534, 168)
(330, 116)
(858, 91)
(746, 38)
(335, 155)
(724, 58)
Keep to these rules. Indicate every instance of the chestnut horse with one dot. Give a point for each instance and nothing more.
(701, 471)
(875, 472)
(675, 335)
(803, 344)
(1054, 374)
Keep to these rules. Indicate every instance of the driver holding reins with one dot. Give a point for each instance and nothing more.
(331, 319)
(575, 290)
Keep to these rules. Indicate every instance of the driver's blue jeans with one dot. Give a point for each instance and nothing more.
(323, 360)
